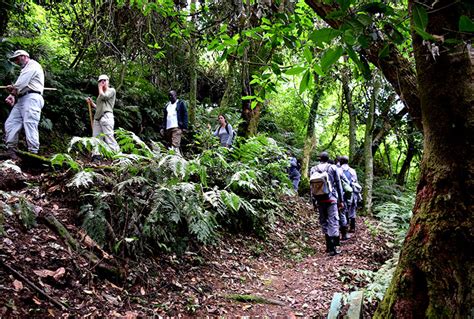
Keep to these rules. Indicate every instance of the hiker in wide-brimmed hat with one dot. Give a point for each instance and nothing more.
(27, 101)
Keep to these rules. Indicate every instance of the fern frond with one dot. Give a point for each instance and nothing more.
(129, 142)
(83, 179)
(176, 164)
(90, 144)
(61, 158)
(136, 180)
(245, 179)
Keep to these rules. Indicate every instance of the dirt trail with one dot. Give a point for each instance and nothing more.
(289, 269)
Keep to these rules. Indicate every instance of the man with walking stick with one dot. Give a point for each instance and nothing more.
(27, 101)
(103, 126)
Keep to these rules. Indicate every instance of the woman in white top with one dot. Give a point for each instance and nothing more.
(225, 132)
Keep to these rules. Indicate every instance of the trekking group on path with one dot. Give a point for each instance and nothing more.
(335, 193)
(335, 190)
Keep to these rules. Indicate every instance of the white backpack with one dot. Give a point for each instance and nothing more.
(320, 183)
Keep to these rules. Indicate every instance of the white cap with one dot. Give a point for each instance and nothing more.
(17, 53)
(103, 77)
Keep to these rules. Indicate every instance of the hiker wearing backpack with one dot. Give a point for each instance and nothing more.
(225, 132)
(351, 175)
(343, 212)
(327, 196)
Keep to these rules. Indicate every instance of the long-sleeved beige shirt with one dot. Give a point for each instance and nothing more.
(105, 103)
(31, 78)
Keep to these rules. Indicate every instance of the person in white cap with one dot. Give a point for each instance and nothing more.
(27, 101)
(103, 126)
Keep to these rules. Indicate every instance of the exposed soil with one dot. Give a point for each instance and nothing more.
(289, 268)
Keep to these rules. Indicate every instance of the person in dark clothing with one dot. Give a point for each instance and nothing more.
(328, 204)
(175, 121)
(294, 173)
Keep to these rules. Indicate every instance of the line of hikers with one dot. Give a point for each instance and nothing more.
(26, 99)
(335, 193)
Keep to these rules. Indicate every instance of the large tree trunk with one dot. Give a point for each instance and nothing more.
(310, 139)
(369, 157)
(346, 90)
(435, 274)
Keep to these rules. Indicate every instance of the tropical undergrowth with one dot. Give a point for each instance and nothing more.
(150, 199)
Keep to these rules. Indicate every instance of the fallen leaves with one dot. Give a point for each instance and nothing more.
(57, 275)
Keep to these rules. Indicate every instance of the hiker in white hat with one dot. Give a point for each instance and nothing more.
(103, 126)
(27, 101)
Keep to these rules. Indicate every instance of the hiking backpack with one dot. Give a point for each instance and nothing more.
(320, 183)
(234, 134)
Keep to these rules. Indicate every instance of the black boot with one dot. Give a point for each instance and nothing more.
(328, 243)
(344, 234)
(334, 243)
(352, 224)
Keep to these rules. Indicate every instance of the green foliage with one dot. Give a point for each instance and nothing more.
(393, 218)
(152, 199)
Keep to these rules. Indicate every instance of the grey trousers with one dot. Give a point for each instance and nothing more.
(329, 218)
(26, 113)
(104, 129)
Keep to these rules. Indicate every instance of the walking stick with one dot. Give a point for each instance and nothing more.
(90, 114)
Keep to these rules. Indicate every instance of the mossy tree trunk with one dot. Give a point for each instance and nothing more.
(368, 156)
(435, 275)
(310, 139)
(346, 90)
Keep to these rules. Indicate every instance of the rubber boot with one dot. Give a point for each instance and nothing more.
(328, 243)
(335, 250)
(344, 234)
(352, 224)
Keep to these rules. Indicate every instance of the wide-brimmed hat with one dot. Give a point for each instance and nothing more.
(103, 77)
(17, 53)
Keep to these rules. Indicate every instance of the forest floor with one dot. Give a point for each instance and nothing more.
(288, 270)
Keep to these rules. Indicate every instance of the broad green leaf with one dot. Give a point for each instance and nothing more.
(363, 67)
(248, 97)
(364, 19)
(425, 35)
(324, 35)
(318, 69)
(253, 104)
(349, 37)
(295, 70)
(305, 81)
(466, 24)
(420, 16)
(330, 57)
(307, 54)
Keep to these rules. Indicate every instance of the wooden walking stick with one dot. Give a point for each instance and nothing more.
(89, 104)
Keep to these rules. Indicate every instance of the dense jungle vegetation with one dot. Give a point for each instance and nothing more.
(293, 77)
